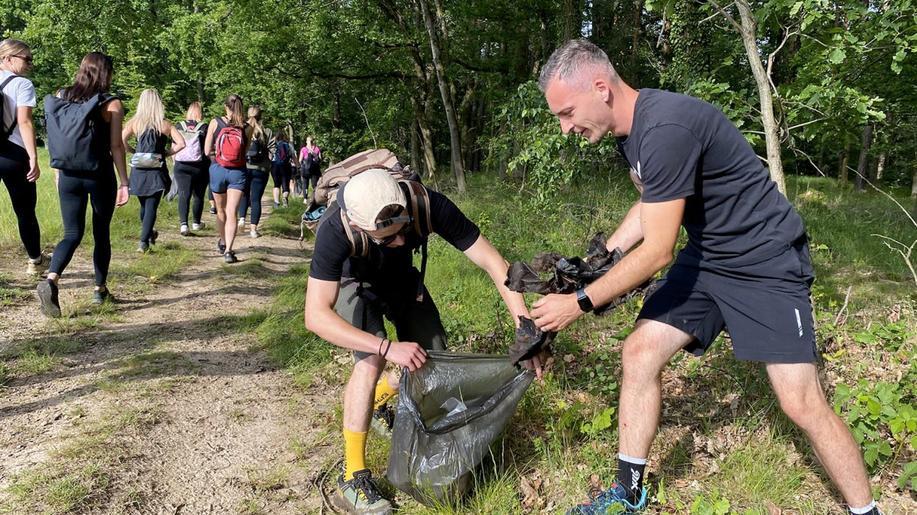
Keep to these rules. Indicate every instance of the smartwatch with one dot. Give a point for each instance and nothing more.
(585, 303)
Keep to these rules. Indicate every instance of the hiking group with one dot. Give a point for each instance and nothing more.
(745, 267)
(88, 141)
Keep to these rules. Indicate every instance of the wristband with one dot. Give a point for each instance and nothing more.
(387, 348)
(382, 341)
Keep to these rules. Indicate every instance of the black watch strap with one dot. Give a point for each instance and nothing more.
(585, 303)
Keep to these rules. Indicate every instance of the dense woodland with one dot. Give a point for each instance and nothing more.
(817, 86)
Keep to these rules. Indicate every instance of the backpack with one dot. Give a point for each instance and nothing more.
(4, 132)
(257, 151)
(192, 152)
(418, 200)
(282, 154)
(72, 132)
(229, 142)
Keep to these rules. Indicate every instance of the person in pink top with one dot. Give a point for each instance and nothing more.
(310, 159)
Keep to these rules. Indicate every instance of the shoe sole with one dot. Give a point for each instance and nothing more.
(341, 503)
(46, 297)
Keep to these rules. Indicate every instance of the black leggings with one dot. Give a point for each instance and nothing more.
(254, 190)
(192, 180)
(281, 174)
(149, 205)
(76, 190)
(14, 166)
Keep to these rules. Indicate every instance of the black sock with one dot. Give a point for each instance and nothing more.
(630, 476)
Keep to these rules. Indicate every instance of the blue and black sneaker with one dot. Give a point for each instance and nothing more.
(615, 498)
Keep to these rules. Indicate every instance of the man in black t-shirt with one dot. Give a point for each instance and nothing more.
(348, 296)
(745, 267)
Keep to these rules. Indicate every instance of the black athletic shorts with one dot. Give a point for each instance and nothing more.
(766, 308)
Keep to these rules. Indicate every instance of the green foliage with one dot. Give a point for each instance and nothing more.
(882, 417)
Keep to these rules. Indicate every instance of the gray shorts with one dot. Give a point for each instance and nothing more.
(414, 321)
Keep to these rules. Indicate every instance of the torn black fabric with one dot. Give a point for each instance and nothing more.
(530, 340)
(549, 272)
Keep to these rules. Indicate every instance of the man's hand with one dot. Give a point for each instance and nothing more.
(406, 354)
(555, 311)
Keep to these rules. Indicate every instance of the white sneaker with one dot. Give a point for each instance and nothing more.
(38, 265)
(183, 230)
(241, 223)
(197, 227)
(254, 233)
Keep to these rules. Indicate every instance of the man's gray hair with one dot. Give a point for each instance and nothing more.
(575, 55)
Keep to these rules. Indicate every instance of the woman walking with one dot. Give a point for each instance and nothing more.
(310, 159)
(149, 179)
(281, 173)
(18, 157)
(79, 186)
(258, 163)
(191, 170)
(226, 143)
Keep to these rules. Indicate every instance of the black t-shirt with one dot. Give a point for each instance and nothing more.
(386, 268)
(683, 147)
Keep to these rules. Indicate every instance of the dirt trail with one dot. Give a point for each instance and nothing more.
(212, 426)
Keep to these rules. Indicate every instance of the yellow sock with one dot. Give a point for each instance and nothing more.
(384, 392)
(354, 453)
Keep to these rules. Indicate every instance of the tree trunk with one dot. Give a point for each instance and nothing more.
(842, 161)
(771, 134)
(862, 169)
(880, 165)
(458, 167)
(637, 28)
(426, 139)
(415, 146)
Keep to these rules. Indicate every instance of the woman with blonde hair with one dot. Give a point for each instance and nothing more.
(18, 156)
(97, 187)
(258, 162)
(191, 169)
(226, 143)
(149, 176)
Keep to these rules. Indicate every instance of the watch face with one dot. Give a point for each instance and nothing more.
(583, 300)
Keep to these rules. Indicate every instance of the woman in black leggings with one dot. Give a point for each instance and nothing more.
(149, 175)
(99, 188)
(191, 171)
(18, 158)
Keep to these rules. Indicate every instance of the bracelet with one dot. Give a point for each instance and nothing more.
(379, 352)
(387, 348)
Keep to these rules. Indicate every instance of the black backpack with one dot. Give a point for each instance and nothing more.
(73, 132)
(4, 132)
(257, 151)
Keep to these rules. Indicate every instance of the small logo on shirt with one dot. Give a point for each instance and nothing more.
(636, 178)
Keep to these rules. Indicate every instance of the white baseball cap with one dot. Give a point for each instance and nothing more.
(367, 194)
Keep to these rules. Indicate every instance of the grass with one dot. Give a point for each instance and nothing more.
(568, 422)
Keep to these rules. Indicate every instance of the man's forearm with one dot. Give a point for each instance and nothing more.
(632, 271)
(629, 231)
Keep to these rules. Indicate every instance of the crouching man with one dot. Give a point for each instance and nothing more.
(362, 270)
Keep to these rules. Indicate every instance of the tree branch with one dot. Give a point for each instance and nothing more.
(732, 21)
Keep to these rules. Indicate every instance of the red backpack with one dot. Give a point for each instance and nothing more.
(230, 145)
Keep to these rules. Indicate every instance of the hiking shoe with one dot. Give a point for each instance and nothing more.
(213, 210)
(143, 248)
(382, 420)
(99, 297)
(221, 247)
(47, 295)
(616, 496)
(230, 257)
(183, 230)
(276, 205)
(153, 235)
(254, 233)
(198, 226)
(38, 265)
(361, 496)
(241, 224)
(286, 202)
